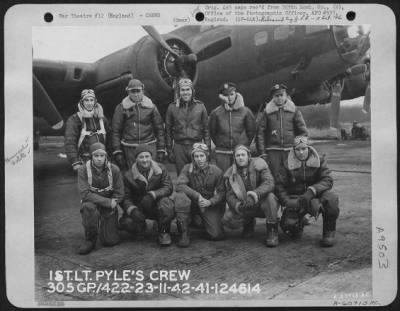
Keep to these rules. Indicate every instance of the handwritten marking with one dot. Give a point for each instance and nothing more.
(22, 153)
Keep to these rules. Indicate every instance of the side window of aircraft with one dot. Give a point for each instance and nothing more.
(260, 38)
(283, 32)
(314, 28)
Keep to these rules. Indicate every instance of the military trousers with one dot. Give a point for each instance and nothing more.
(185, 208)
(161, 210)
(100, 221)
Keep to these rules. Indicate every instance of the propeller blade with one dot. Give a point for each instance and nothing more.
(45, 106)
(335, 104)
(214, 49)
(357, 69)
(367, 99)
(158, 38)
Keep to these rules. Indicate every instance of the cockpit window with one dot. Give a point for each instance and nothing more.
(283, 32)
(260, 38)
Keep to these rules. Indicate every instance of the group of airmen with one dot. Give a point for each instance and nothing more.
(122, 180)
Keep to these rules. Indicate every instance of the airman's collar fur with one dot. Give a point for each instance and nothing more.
(97, 112)
(312, 161)
(155, 169)
(239, 102)
(288, 106)
(193, 101)
(127, 103)
(194, 168)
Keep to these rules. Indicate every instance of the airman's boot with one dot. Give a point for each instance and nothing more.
(328, 232)
(183, 230)
(272, 239)
(164, 236)
(248, 228)
(90, 242)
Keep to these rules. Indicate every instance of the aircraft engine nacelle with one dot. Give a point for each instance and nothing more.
(157, 68)
(147, 61)
(320, 94)
(355, 86)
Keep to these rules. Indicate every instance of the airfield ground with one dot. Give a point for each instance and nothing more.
(297, 269)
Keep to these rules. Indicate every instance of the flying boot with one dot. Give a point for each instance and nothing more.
(272, 239)
(90, 241)
(164, 236)
(184, 232)
(328, 231)
(248, 227)
(164, 227)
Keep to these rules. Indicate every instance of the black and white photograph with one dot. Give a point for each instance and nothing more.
(201, 164)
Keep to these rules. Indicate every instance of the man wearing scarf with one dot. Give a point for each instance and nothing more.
(231, 124)
(200, 190)
(101, 189)
(186, 123)
(84, 128)
(280, 122)
(304, 187)
(136, 121)
(249, 189)
(147, 190)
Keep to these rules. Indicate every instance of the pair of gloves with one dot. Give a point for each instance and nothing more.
(246, 207)
(305, 204)
(136, 213)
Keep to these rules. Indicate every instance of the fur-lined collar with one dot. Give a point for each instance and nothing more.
(155, 169)
(239, 102)
(312, 161)
(235, 180)
(193, 168)
(97, 112)
(288, 106)
(193, 101)
(127, 103)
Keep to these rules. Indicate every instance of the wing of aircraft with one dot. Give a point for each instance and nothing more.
(310, 60)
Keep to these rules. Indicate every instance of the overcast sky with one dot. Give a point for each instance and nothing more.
(84, 44)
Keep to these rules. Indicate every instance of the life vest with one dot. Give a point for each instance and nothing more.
(85, 132)
(90, 178)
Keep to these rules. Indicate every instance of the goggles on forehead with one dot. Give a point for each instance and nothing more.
(200, 146)
(300, 140)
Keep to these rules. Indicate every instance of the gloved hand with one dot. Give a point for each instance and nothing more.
(120, 160)
(114, 203)
(137, 216)
(76, 166)
(304, 200)
(315, 208)
(250, 202)
(160, 156)
(241, 208)
(147, 201)
(171, 156)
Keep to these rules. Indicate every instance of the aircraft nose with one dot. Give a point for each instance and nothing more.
(352, 42)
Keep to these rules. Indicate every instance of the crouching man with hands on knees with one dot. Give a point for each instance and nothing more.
(101, 189)
(249, 193)
(200, 190)
(303, 186)
(147, 190)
